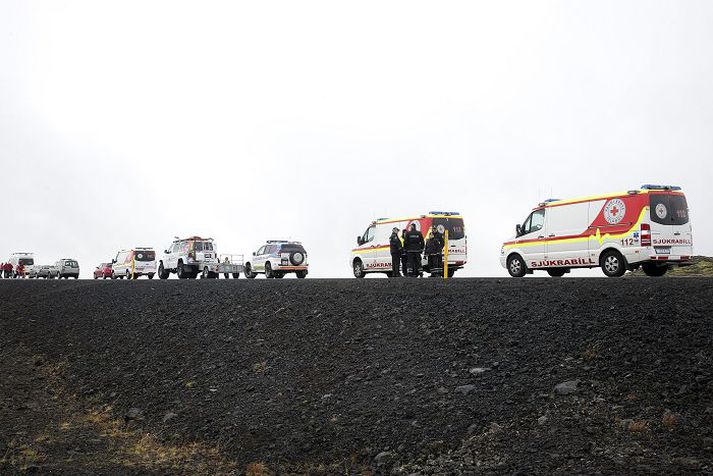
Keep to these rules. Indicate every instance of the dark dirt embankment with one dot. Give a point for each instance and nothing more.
(346, 376)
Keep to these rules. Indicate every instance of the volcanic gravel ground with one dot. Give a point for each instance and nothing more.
(357, 376)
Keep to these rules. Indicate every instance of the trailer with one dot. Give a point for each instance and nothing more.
(228, 265)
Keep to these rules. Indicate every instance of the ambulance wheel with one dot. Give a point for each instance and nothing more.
(249, 272)
(612, 263)
(268, 271)
(516, 266)
(162, 273)
(236, 275)
(650, 269)
(150, 276)
(359, 269)
(556, 272)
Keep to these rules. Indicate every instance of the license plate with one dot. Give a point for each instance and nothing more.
(663, 250)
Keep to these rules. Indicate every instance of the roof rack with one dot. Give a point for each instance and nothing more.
(444, 213)
(650, 186)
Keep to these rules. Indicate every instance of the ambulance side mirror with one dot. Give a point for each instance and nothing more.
(254, 253)
(518, 230)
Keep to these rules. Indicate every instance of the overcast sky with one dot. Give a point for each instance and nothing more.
(125, 123)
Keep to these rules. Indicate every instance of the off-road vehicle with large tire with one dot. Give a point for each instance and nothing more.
(276, 258)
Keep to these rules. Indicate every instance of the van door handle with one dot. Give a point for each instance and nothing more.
(551, 236)
(678, 233)
(540, 237)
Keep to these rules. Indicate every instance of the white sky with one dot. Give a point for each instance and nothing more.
(126, 123)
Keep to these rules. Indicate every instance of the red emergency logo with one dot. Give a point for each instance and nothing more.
(614, 211)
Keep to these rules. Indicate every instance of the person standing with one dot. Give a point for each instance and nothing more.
(404, 255)
(413, 244)
(226, 261)
(396, 248)
(434, 250)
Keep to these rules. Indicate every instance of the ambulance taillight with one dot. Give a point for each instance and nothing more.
(645, 234)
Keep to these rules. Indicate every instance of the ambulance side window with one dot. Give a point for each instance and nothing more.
(369, 234)
(534, 222)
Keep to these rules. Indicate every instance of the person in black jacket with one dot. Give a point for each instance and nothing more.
(433, 251)
(396, 248)
(413, 244)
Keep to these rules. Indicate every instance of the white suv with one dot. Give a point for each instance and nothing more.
(188, 257)
(277, 258)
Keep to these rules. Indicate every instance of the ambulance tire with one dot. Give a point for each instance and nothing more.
(162, 272)
(236, 275)
(516, 266)
(556, 272)
(651, 269)
(613, 263)
(150, 276)
(268, 271)
(358, 268)
(249, 272)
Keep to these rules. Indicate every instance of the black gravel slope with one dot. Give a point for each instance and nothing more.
(343, 376)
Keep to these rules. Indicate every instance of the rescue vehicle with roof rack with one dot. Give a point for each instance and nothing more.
(372, 254)
(189, 257)
(648, 228)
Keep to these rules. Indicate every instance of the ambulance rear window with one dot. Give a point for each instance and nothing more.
(668, 209)
(145, 255)
(455, 227)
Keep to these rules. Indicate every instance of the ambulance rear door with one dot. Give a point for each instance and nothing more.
(671, 233)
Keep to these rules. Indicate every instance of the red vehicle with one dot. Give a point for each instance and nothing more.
(103, 271)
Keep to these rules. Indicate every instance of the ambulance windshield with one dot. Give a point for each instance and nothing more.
(455, 227)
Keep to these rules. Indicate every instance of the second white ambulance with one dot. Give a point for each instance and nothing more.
(647, 228)
(372, 254)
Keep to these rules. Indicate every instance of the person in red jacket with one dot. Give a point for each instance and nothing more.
(8, 270)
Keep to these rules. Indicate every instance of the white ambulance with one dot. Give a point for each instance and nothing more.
(647, 228)
(372, 254)
(139, 261)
